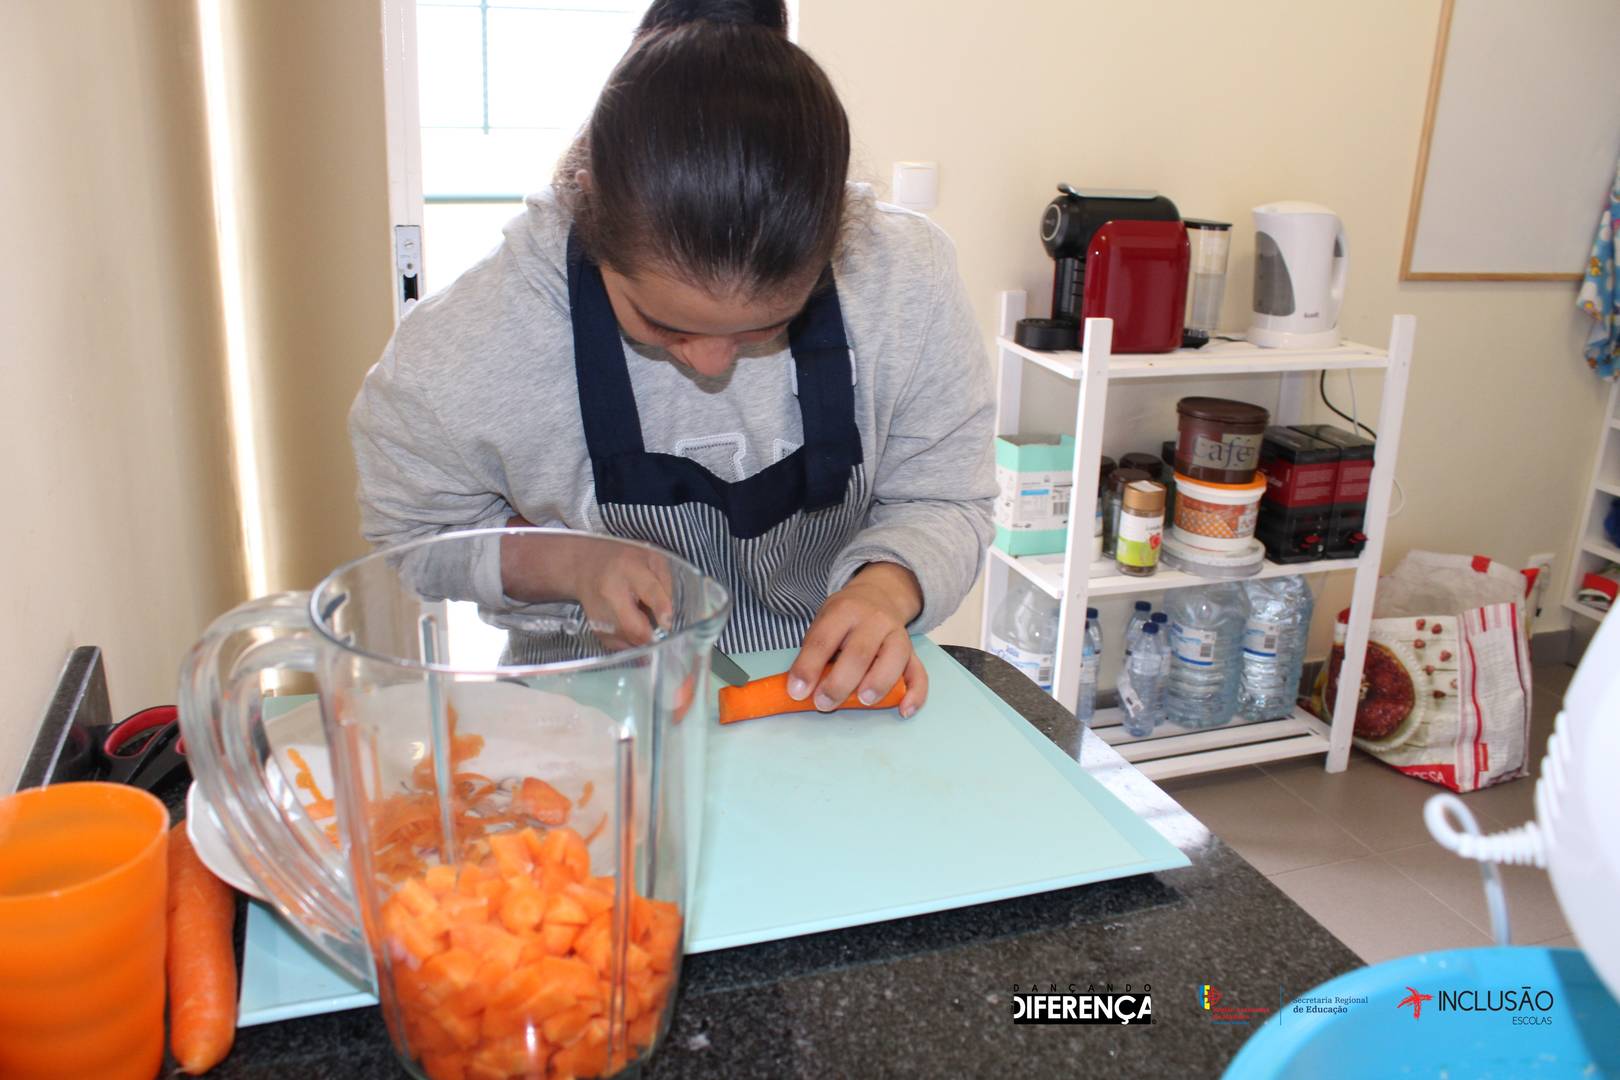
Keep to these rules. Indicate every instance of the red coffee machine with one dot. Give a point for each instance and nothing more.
(1120, 255)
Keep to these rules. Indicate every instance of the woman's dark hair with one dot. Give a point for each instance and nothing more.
(717, 152)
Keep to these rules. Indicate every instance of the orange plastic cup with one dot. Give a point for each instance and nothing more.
(83, 882)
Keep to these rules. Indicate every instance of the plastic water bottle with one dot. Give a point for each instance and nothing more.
(1024, 631)
(1132, 637)
(1139, 618)
(1206, 646)
(1142, 684)
(1274, 646)
(1090, 662)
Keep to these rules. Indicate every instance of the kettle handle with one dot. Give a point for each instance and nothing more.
(1341, 270)
(305, 878)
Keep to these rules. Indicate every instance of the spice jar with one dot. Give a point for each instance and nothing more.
(1148, 463)
(1117, 481)
(1105, 468)
(1141, 528)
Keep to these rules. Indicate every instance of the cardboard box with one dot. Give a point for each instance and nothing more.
(1035, 479)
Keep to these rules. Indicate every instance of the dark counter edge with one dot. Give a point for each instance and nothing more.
(921, 996)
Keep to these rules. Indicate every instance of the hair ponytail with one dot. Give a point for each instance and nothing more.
(771, 14)
(717, 152)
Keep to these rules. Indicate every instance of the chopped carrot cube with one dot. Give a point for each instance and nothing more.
(416, 898)
(511, 854)
(644, 1029)
(454, 967)
(445, 1065)
(566, 1026)
(464, 909)
(590, 899)
(462, 1029)
(580, 1060)
(567, 910)
(521, 909)
(558, 937)
(573, 975)
(439, 879)
(566, 848)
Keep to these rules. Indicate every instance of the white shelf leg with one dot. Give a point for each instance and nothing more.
(1088, 434)
(1009, 402)
(1387, 453)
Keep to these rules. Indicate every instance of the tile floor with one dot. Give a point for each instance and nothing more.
(1351, 848)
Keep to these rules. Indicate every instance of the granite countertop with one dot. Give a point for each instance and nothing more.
(930, 995)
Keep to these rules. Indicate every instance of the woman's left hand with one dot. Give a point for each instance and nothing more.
(858, 644)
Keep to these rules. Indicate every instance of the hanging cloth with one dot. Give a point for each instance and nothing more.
(1600, 292)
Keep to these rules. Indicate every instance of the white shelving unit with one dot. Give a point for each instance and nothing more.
(1075, 581)
(1592, 549)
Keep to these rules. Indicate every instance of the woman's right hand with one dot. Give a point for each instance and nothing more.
(625, 591)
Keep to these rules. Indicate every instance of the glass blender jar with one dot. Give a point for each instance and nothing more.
(500, 830)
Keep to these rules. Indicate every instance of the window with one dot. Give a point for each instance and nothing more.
(504, 86)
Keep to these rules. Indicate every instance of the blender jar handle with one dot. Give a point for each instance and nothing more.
(1341, 270)
(220, 717)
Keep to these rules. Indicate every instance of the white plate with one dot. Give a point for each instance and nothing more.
(208, 839)
(526, 732)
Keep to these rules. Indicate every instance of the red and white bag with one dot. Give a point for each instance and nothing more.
(1445, 691)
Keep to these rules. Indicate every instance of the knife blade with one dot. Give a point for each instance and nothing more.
(728, 669)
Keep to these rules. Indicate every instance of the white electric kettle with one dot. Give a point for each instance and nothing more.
(1301, 259)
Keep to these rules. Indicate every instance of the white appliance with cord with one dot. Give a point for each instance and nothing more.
(1301, 261)
(1576, 833)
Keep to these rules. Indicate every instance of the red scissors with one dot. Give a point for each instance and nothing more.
(145, 750)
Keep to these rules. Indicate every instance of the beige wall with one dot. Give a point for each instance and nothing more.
(1222, 107)
(120, 523)
(306, 103)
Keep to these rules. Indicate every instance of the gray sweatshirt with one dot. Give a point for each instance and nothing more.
(471, 415)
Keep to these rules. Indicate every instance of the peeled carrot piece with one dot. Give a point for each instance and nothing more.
(542, 802)
(769, 697)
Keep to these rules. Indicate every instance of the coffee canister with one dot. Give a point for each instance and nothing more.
(1219, 440)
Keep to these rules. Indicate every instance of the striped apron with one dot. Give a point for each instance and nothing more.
(770, 538)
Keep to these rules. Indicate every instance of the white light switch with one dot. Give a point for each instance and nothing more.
(916, 184)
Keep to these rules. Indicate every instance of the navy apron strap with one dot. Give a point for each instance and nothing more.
(607, 404)
(822, 364)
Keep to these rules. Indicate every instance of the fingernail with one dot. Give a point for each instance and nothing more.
(797, 688)
(907, 712)
(868, 696)
(825, 703)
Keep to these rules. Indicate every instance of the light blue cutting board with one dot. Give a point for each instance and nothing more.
(821, 822)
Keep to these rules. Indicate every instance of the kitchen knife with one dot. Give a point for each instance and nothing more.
(727, 668)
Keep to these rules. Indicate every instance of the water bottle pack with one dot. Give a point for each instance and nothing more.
(1274, 639)
(1206, 641)
(1024, 632)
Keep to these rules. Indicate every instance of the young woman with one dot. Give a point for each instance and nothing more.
(704, 338)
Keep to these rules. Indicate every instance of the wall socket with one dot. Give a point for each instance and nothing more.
(1544, 563)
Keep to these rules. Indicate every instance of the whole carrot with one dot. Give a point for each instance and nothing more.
(769, 697)
(201, 960)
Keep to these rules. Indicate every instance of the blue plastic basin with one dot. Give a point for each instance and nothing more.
(1578, 1036)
